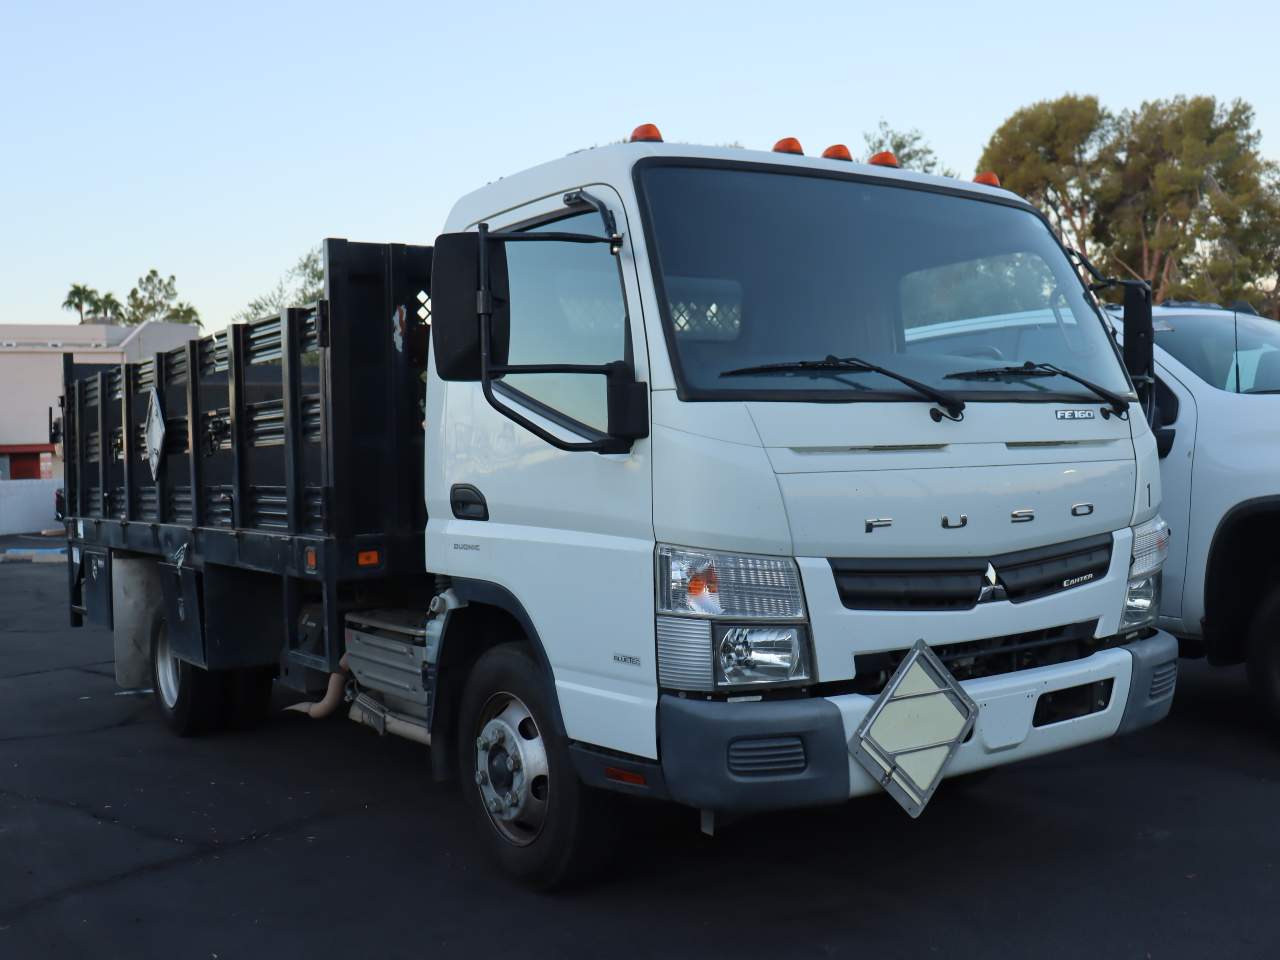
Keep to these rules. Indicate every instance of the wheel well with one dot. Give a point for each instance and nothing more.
(471, 631)
(1242, 568)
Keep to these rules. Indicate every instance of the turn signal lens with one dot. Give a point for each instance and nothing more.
(988, 178)
(837, 151)
(709, 583)
(309, 559)
(367, 558)
(788, 145)
(646, 133)
(883, 159)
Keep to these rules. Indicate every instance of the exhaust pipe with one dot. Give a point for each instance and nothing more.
(319, 709)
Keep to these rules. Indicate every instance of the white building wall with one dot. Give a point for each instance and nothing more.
(31, 366)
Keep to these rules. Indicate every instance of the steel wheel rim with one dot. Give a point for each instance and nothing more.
(512, 770)
(166, 670)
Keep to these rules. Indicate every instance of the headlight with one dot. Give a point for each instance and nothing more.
(1141, 603)
(1142, 596)
(746, 655)
(699, 590)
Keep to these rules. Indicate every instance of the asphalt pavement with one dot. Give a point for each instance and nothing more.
(317, 839)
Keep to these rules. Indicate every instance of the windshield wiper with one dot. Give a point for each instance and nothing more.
(953, 405)
(1119, 405)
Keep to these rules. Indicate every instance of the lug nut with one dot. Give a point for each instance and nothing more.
(482, 743)
(512, 799)
(492, 805)
(481, 778)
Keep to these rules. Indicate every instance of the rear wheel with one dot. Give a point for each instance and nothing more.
(1264, 654)
(189, 698)
(517, 775)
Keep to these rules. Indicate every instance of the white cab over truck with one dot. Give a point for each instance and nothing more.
(752, 481)
(1218, 428)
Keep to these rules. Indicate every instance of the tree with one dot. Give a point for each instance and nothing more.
(1051, 153)
(107, 308)
(156, 298)
(80, 298)
(909, 146)
(302, 283)
(1187, 202)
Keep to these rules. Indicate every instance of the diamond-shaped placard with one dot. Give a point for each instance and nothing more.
(914, 728)
(153, 433)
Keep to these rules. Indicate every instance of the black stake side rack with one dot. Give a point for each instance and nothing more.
(292, 445)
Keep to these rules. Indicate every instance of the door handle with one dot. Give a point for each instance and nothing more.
(467, 502)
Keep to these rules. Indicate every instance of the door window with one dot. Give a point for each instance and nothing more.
(566, 307)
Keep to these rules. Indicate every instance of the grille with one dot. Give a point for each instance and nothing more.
(955, 583)
(991, 656)
(1163, 679)
(762, 757)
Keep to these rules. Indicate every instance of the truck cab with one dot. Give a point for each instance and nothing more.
(721, 599)
(746, 480)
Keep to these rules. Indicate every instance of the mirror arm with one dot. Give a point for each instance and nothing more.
(575, 197)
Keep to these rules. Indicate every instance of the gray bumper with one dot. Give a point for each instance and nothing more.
(1155, 674)
(769, 755)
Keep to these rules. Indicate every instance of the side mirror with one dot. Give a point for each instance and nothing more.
(1139, 340)
(455, 320)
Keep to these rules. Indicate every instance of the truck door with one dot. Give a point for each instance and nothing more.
(568, 534)
(1177, 411)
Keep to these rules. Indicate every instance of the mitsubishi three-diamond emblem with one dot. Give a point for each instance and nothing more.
(992, 588)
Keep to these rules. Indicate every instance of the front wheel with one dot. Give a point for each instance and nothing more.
(517, 775)
(1264, 654)
(190, 699)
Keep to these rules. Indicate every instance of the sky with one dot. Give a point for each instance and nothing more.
(219, 141)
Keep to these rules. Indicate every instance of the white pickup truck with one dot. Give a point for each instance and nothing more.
(746, 480)
(1218, 430)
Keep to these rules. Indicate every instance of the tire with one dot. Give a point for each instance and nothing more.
(1263, 663)
(247, 695)
(190, 699)
(551, 834)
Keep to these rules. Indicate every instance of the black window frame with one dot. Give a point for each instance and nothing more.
(686, 392)
(540, 407)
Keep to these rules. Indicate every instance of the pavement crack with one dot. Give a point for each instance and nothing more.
(125, 721)
(201, 851)
(72, 666)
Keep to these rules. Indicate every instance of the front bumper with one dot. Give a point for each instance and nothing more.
(775, 754)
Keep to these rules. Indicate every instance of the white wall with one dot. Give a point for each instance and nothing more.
(26, 506)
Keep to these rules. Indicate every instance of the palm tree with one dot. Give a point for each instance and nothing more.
(108, 307)
(79, 298)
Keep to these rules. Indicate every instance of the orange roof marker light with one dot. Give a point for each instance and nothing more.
(789, 145)
(988, 178)
(646, 133)
(837, 151)
(883, 159)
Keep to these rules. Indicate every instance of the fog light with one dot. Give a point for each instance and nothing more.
(748, 655)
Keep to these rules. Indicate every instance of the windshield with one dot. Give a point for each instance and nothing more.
(1239, 353)
(769, 267)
